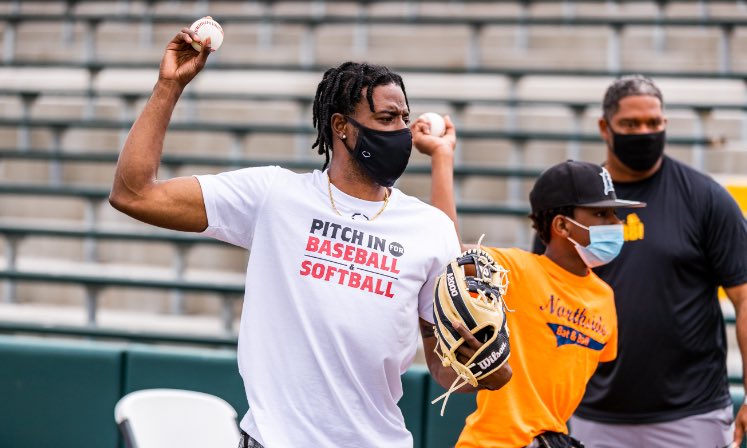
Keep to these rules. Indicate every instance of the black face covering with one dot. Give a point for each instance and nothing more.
(383, 154)
(639, 152)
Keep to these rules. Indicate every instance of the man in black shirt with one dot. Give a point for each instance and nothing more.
(668, 386)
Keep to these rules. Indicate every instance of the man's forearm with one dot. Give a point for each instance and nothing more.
(442, 185)
(139, 160)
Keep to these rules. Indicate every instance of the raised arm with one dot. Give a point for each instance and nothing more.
(175, 203)
(441, 152)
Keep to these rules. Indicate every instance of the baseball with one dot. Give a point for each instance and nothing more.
(438, 126)
(207, 27)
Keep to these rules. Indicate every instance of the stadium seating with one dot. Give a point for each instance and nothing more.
(522, 79)
(473, 30)
(521, 104)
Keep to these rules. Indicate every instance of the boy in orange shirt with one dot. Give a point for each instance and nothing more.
(564, 322)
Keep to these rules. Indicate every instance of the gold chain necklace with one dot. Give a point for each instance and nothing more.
(332, 200)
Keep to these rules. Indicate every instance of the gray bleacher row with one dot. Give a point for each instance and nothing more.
(130, 98)
(578, 113)
(233, 156)
(94, 283)
(698, 41)
(57, 154)
(521, 133)
(91, 234)
(503, 144)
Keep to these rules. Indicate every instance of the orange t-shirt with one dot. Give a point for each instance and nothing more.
(562, 327)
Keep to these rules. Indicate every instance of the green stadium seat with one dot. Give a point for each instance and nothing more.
(56, 393)
(443, 432)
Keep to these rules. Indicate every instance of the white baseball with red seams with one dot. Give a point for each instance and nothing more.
(438, 126)
(207, 27)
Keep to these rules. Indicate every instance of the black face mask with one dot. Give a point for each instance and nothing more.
(639, 152)
(383, 154)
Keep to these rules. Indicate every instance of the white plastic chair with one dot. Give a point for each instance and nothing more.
(158, 418)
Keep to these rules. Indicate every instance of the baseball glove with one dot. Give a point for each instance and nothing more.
(470, 292)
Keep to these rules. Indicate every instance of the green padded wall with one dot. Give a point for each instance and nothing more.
(443, 432)
(216, 372)
(414, 389)
(63, 393)
(58, 394)
(737, 396)
(211, 371)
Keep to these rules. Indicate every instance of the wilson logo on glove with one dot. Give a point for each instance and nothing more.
(485, 363)
(471, 292)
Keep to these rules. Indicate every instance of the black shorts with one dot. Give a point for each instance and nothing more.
(246, 441)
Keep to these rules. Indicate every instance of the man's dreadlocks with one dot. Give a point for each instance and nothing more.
(340, 91)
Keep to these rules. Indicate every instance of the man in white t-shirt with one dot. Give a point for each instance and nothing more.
(342, 265)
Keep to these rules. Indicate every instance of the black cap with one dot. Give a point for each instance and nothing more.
(573, 183)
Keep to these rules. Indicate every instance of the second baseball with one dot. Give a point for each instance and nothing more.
(207, 27)
(438, 126)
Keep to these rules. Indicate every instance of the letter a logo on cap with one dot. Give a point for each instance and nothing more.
(607, 180)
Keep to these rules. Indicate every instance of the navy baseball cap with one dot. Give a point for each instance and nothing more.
(579, 184)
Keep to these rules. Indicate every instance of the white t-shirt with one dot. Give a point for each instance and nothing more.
(330, 317)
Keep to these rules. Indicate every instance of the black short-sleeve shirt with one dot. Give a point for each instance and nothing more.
(671, 361)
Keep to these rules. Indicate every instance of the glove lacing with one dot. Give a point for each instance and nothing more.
(488, 278)
(454, 387)
(493, 300)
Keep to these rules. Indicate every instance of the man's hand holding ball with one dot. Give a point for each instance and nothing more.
(204, 28)
(433, 134)
(436, 123)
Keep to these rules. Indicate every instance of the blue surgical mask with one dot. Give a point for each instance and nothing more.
(605, 243)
